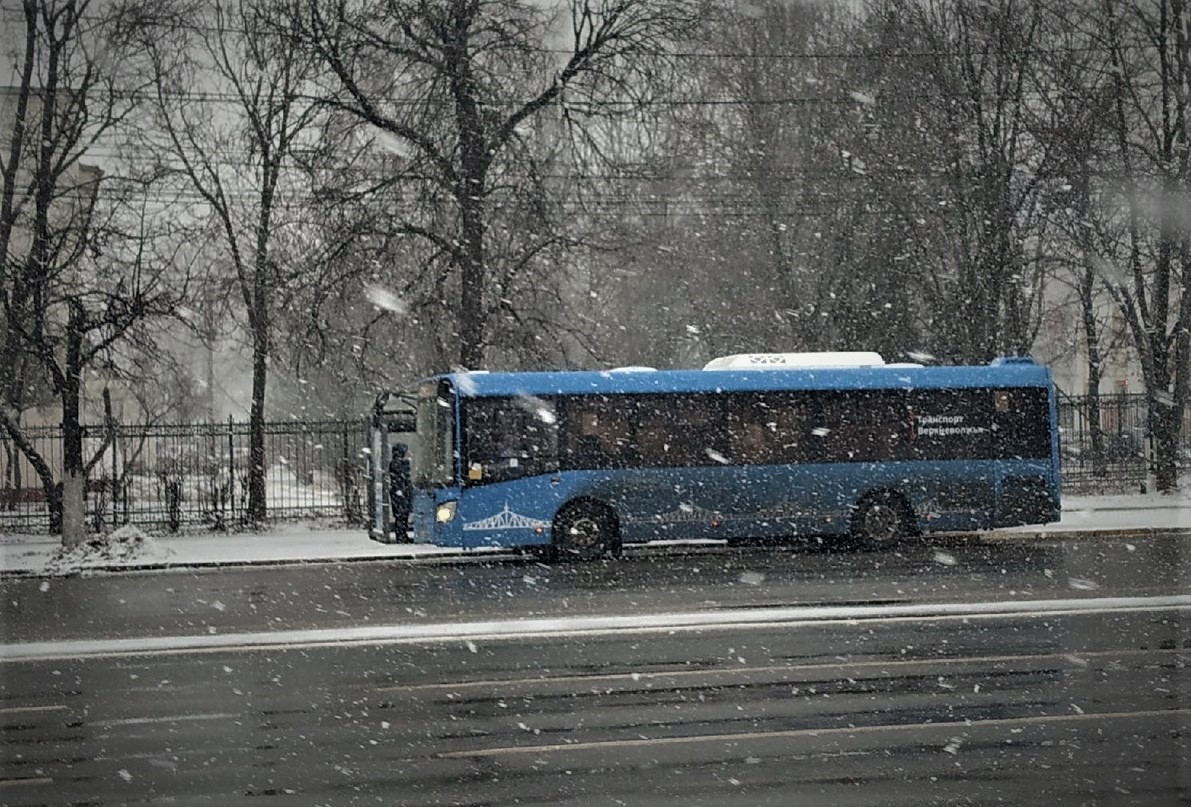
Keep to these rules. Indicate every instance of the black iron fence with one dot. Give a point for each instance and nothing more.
(170, 476)
(195, 474)
(1104, 443)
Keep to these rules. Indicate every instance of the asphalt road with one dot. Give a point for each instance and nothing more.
(978, 702)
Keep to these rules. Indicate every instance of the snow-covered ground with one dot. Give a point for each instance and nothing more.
(129, 548)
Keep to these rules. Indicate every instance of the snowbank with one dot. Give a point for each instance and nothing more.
(127, 546)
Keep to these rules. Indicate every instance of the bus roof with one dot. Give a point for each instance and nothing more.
(1012, 372)
(761, 361)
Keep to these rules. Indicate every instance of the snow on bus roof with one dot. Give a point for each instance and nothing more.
(769, 361)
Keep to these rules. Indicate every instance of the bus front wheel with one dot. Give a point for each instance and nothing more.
(585, 530)
(881, 518)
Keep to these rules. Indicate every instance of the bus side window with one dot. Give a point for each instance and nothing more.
(597, 434)
(790, 419)
(583, 440)
(751, 428)
(1020, 418)
(654, 439)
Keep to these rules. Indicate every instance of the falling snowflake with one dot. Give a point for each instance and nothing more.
(385, 299)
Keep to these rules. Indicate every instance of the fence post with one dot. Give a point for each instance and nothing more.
(343, 472)
(231, 466)
(349, 472)
(115, 486)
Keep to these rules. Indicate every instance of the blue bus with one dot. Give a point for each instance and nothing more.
(583, 462)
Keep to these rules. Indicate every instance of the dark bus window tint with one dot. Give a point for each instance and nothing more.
(750, 431)
(599, 432)
(580, 443)
(792, 418)
(675, 432)
(1021, 423)
(850, 427)
(650, 431)
(951, 424)
(508, 438)
(815, 426)
(878, 428)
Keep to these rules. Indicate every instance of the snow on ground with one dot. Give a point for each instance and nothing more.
(131, 548)
(127, 546)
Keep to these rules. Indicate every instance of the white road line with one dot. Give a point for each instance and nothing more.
(143, 721)
(957, 725)
(933, 664)
(42, 780)
(13, 710)
(488, 630)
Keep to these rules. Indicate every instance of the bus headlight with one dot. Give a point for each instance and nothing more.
(446, 512)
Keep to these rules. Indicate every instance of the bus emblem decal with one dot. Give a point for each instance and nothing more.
(506, 520)
(683, 514)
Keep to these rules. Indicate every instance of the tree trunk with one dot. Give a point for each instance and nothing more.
(1092, 343)
(257, 505)
(262, 289)
(74, 509)
(1165, 427)
(469, 189)
(73, 504)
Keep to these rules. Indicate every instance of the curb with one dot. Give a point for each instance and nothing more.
(1186, 507)
(1099, 534)
(456, 556)
(181, 566)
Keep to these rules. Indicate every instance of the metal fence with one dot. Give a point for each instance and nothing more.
(1118, 464)
(197, 474)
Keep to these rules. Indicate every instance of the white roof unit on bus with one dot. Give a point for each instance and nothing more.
(773, 361)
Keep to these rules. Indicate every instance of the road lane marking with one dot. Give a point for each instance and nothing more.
(576, 626)
(143, 721)
(42, 780)
(738, 671)
(955, 725)
(12, 710)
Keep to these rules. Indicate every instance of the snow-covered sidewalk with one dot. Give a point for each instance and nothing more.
(131, 549)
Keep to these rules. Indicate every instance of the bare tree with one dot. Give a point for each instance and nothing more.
(965, 83)
(1076, 78)
(80, 273)
(238, 153)
(805, 137)
(457, 86)
(1149, 271)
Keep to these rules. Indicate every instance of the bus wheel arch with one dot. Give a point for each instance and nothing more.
(586, 528)
(882, 517)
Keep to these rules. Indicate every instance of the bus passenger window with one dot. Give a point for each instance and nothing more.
(751, 444)
(597, 435)
(751, 430)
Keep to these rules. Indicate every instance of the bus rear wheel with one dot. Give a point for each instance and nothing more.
(585, 530)
(881, 519)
